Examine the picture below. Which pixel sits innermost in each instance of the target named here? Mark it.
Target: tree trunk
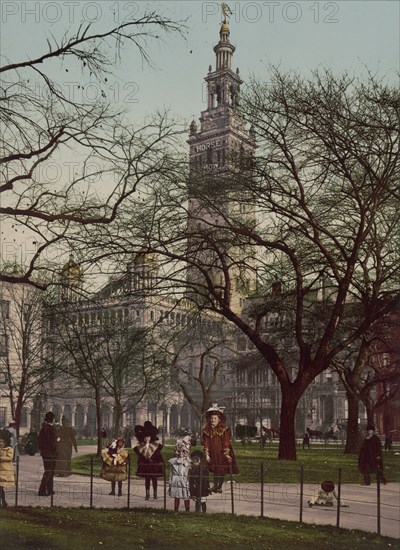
(353, 436)
(287, 434)
(99, 421)
(117, 417)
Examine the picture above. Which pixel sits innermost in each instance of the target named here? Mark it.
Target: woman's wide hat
(148, 429)
(214, 409)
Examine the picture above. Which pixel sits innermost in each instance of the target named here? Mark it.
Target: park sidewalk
(281, 501)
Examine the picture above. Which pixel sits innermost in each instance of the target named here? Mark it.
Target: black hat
(49, 417)
(370, 427)
(146, 430)
(198, 453)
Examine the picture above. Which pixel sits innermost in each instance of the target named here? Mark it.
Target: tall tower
(220, 157)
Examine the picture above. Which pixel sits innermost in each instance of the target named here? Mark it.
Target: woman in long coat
(217, 447)
(65, 442)
(7, 477)
(150, 463)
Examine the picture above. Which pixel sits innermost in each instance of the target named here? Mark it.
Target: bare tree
(21, 345)
(369, 373)
(68, 162)
(323, 226)
(106, 356)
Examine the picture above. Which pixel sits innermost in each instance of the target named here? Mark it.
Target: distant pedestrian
(388, 442)
(127, 436)
(306, 441)
(370, 457)
(115, 461)
(65, 442)
(14, 440)
(47, 442)
(7, 477)
(103, 434)
(150, 463)
(31, 446)
(179, 474)
(199, 482)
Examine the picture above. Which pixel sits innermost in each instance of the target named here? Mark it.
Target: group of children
(189, 477)
(189, 472)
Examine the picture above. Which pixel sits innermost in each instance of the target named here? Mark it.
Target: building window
(24, 418)
(3, 411)
(3, 345)
(5, 309)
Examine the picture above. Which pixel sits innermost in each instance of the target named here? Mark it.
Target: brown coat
(217, 444)
(7, 478)
(111, 471)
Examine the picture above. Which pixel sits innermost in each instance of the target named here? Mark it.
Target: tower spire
(224, 49)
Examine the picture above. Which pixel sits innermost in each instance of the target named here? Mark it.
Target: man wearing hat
(47, 442)
(370, 457)
(217, 447)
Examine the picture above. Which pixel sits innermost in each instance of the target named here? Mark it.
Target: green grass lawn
(84, 529)
(318, 463)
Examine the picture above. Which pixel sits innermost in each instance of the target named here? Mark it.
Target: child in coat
(150, 463)
(7, 478)
(179, 472)
(199, 482)
(115, 461)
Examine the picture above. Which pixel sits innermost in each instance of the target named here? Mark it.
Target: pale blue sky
(302, 35)
(341, 35)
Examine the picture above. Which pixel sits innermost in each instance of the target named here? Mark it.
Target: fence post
(232, 499)
(91, 482)
(165, 487)
(200, 488)
(128, 502)
(301, 492)
(339, 497)
(378, 501)
(262, 488)
(16, 482)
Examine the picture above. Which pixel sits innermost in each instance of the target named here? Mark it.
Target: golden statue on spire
(226, 11)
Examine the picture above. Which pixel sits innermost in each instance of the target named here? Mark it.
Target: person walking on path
(306, 441)
(179, 471)
(47, 442)
(7, 477)
(217, 447)
(150, 463)
(388, 442)
(199, 482)
(14, 440)
(114, 468)
(66, 440)
(370, 457)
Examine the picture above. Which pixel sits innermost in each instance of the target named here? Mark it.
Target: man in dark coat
(47, 442)
(370, 457)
